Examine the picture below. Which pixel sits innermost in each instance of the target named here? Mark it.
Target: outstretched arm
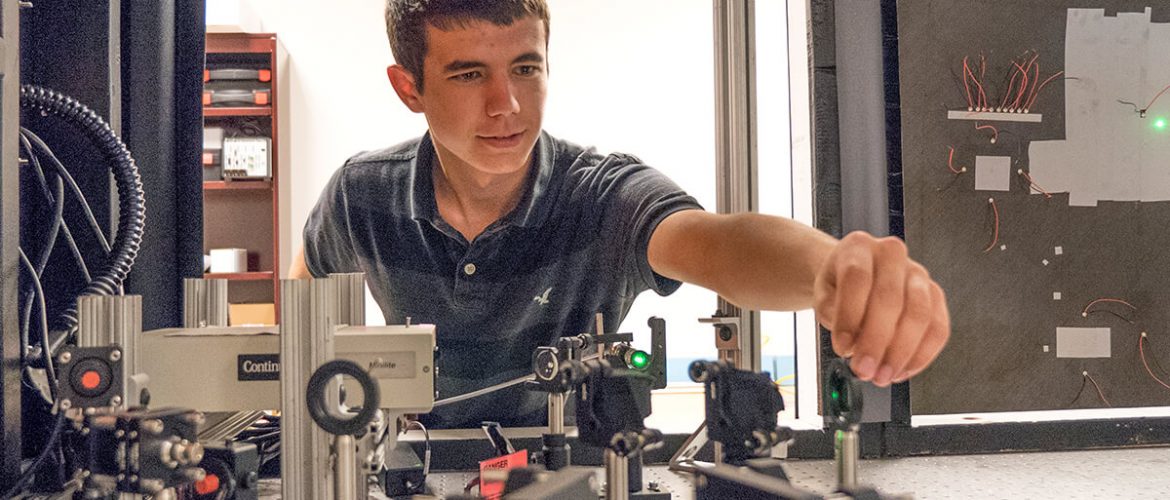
(884, 310)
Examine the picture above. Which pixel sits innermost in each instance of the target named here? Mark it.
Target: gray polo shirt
(574, 245)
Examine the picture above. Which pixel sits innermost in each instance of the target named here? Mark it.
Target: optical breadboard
(1036, 163)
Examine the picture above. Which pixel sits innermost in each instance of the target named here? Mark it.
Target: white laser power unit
(247, 157)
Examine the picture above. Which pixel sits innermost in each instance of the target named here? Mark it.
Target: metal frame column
(10, 438)
(736, 158)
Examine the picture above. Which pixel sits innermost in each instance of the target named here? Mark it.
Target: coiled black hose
(131, 199)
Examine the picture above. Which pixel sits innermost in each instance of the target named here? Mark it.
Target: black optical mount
(741, 410)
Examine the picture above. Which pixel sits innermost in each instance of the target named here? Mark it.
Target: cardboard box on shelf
(251, 314)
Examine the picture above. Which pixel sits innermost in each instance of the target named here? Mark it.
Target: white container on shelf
(229, 260)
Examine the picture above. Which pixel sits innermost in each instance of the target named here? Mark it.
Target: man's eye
(527, 70)
(466, 77)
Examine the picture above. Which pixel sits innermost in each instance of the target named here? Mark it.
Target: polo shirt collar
(533, 207)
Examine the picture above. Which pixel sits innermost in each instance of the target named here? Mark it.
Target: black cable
(40, 171)
(54, 437)
(1154, 358)
(43, 260)
(1084, 382)
(426, 435)
(131, 202)
(262, 437)
(64, 173)
(1130, 321)
(58, 202)
(40, 293)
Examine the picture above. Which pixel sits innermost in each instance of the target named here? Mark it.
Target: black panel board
(162, 67)
(1001, 301)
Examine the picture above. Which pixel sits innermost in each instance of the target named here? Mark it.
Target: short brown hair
(407, 21)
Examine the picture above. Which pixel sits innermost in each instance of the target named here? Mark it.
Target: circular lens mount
(315, 398)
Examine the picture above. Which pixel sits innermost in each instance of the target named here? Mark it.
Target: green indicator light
(1160, 124)
(836, 395)
(639, 360)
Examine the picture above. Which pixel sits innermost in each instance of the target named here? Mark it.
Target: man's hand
(883, 309)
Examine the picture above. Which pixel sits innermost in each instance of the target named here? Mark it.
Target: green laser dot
(639, 359)
(1160, 124)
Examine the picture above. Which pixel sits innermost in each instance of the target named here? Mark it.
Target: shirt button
(469, 269)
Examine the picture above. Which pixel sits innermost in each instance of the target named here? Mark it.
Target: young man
(507, 238)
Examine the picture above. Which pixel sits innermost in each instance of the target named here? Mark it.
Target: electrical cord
(131, 201)
(40, 294)
(54, 437)
(64, 174)
(427, 437)
(119, 256)
(46, 251)
(45, 187)
(58, 202)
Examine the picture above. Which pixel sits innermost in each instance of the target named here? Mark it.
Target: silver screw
(150, 485)
(176, 455)
(153, 426)
(426, 369)
(116, 401)
(195, 418)
(66, 404)
(133, 435)
(194, 453)
(115, 354)
(24, 4)
(195, 474)
(64, 357)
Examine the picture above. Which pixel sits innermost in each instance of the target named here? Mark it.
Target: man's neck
(470, 200)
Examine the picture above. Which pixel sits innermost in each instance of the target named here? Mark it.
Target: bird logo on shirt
(542, 299)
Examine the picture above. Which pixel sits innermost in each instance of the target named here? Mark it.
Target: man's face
(484, 92)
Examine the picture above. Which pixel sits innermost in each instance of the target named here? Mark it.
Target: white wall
(625, 76)
(630, 76)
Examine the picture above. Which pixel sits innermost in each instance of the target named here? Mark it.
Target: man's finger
(917, 314)
(934, 340)
(853, 273)
(882, 310)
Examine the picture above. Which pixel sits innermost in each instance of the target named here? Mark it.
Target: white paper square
(1059, 250)
(993, 173)
(1046, 348)
(1082, 342)
(1055, 295)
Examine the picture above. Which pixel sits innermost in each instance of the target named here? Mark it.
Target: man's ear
(403, 83)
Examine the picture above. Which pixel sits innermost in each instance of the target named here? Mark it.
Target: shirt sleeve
(328, 238)
(634, 199)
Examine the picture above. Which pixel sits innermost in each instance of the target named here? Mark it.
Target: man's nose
(502, 98)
